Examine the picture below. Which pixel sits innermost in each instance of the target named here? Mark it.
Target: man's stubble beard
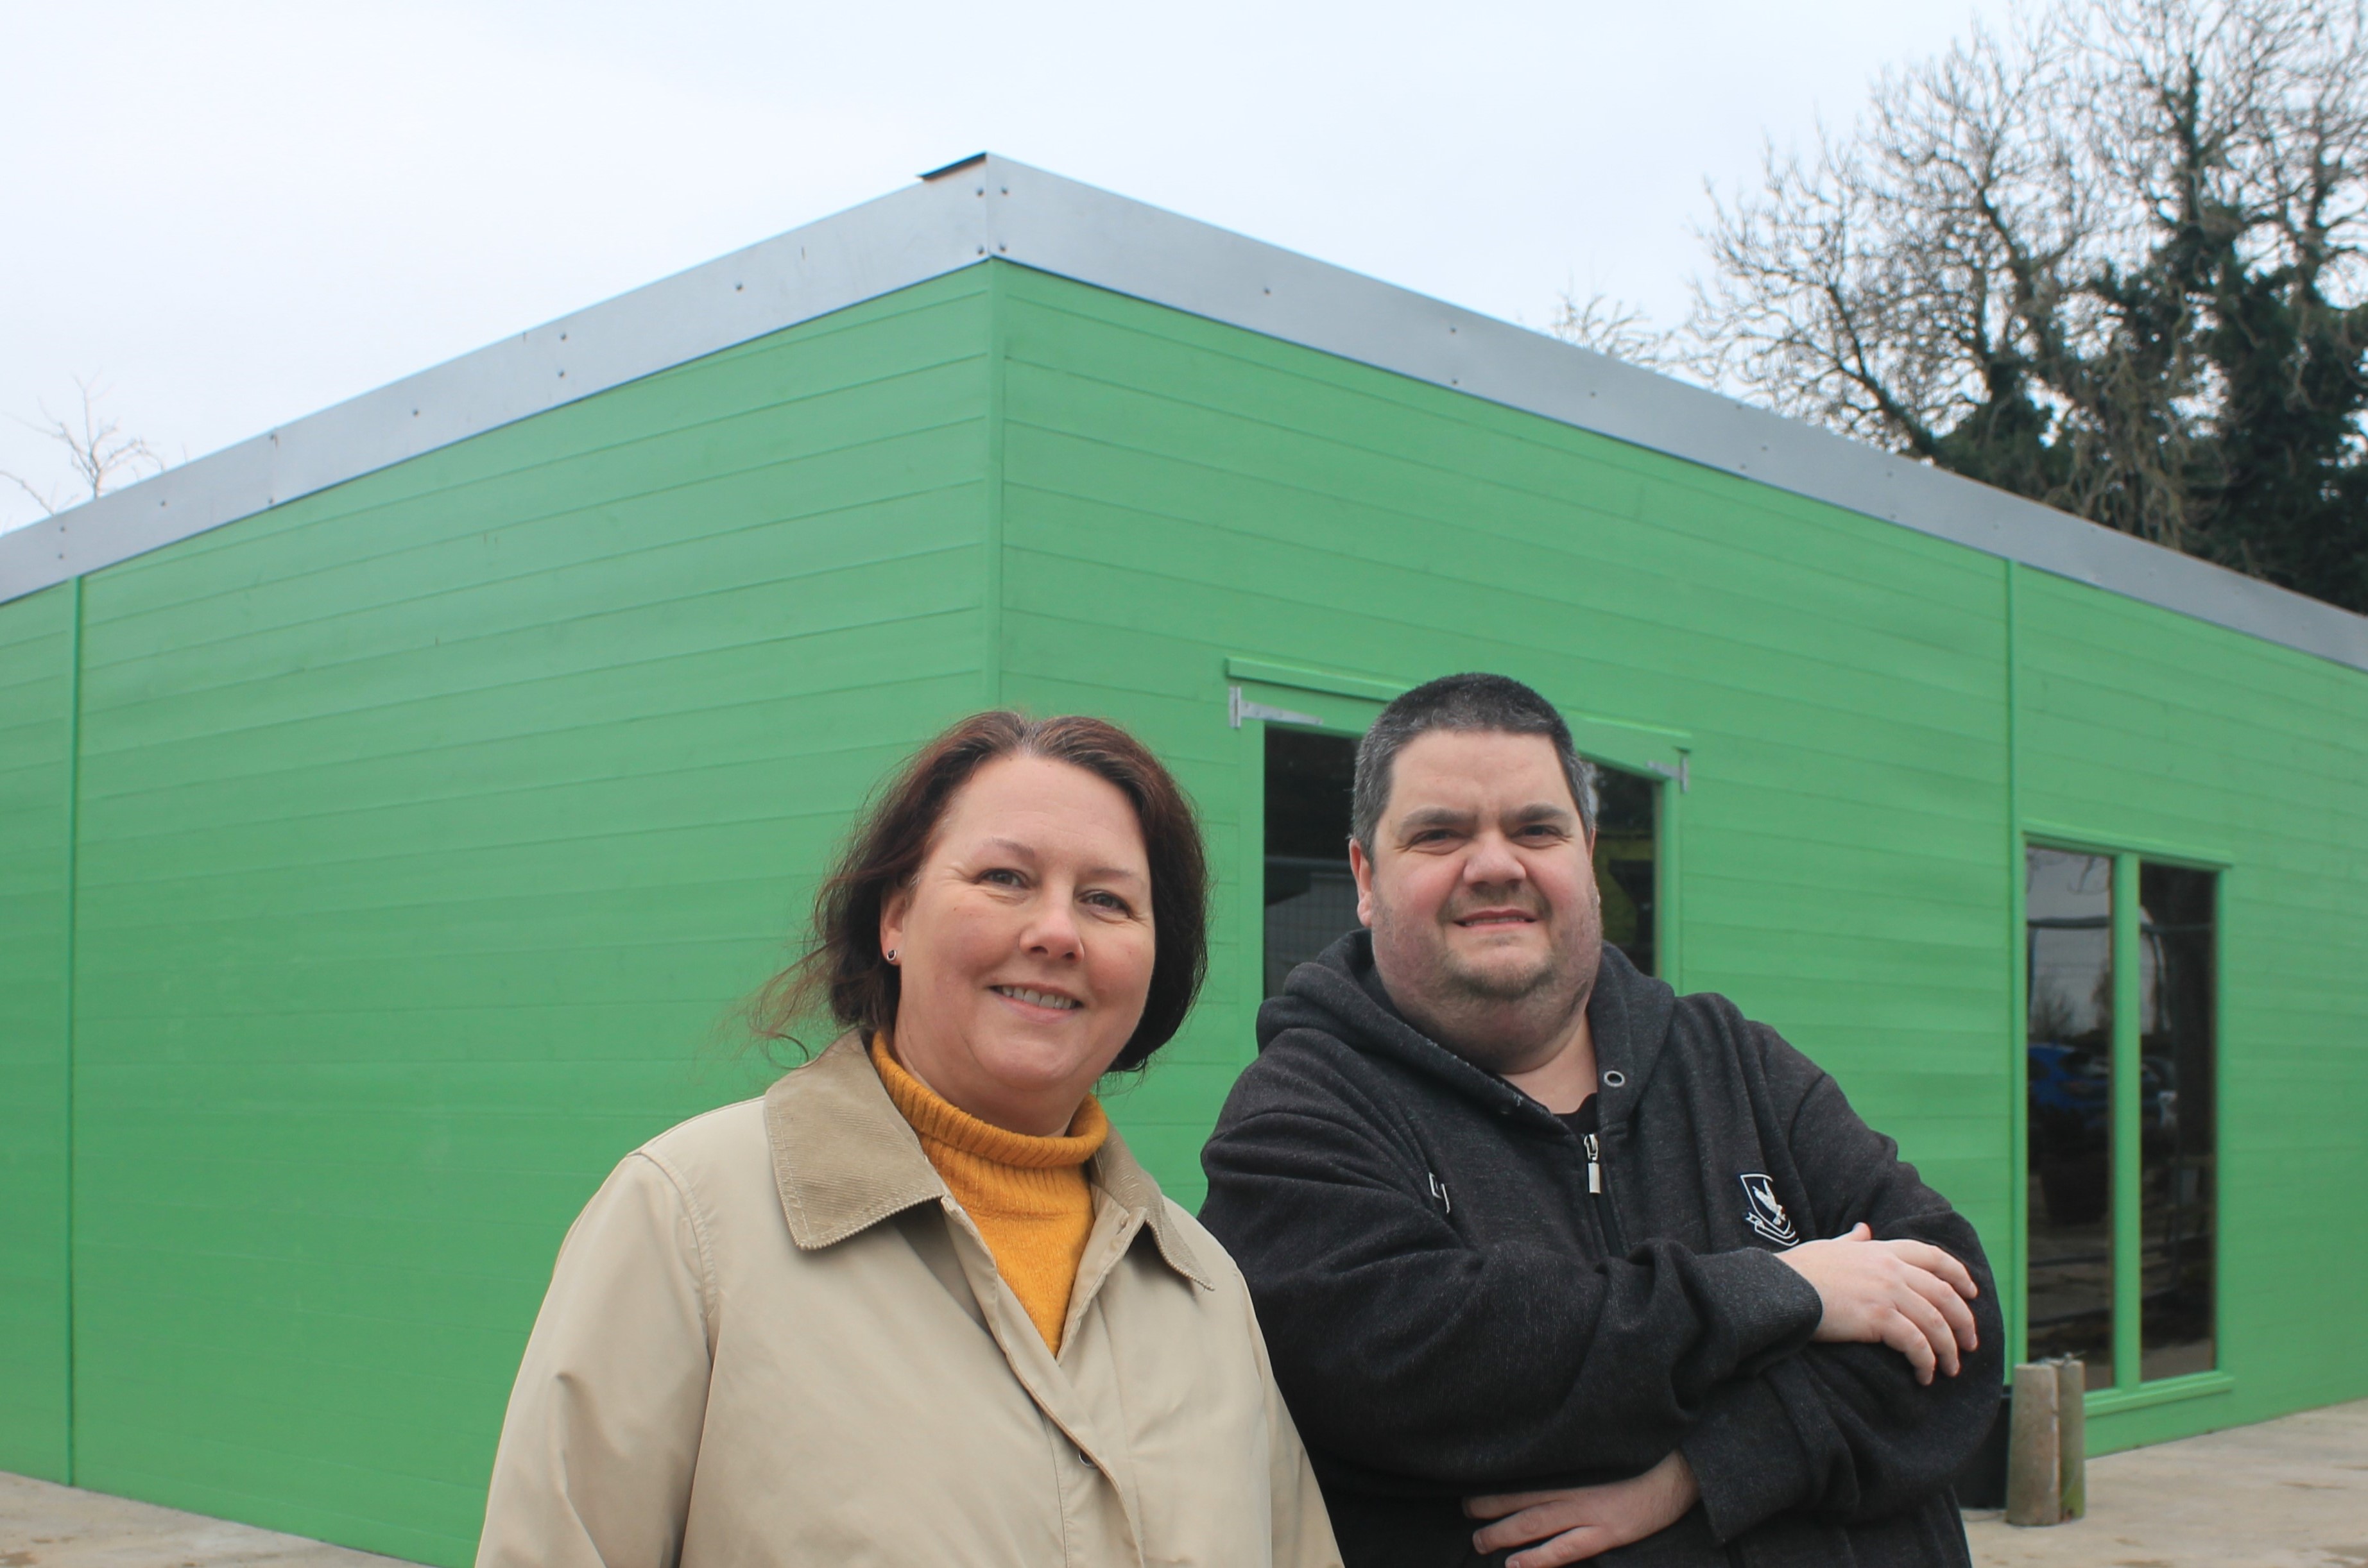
(1496, 1021)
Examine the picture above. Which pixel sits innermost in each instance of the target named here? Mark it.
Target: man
(1532, 1238)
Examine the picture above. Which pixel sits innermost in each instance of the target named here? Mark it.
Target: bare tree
(1615, 327)
(101, 456)
(2109, 257)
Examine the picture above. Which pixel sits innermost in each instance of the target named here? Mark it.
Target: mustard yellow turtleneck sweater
(1028, 1196)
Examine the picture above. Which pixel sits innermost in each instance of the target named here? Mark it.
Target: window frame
(2129, 1390)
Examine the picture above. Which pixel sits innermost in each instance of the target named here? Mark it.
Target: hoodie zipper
(1607, 1215)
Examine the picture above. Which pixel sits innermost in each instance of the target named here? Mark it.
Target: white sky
(236, 213)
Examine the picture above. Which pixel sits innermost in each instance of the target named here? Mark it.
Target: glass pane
(2069, 902)
(2177, 1120)
(1311, 899)
(1625, 847)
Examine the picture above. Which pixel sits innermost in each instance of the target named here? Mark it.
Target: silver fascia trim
(917, 233)
(1129, 248)
(996, 208)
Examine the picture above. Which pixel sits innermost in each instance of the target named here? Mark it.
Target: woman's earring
(892, 955)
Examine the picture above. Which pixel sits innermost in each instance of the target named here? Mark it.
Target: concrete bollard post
(2034, 1465)
(2072, 1438)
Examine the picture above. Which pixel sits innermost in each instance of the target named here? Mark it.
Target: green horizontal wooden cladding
(425, 833)
(36, 794)
(430, 827)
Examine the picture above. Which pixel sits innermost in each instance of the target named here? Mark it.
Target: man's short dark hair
(1464, 702)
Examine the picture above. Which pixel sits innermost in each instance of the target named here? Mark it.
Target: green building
(393, 808)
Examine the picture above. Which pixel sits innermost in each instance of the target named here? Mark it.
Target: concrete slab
(44, 1525)
(2287, 1494)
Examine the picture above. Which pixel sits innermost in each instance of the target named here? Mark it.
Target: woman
(918, 1304)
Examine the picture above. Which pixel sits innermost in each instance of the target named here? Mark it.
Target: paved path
(2287, 1494)
(47, 1526)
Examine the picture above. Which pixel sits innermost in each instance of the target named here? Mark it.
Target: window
(1627, 841)
(2070, 1058)
(1311, 897)
(2177, 1118)
(2121, 1117)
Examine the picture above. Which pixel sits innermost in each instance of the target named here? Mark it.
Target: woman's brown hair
(843, 972)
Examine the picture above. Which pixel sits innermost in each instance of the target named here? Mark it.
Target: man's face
(1481, 895)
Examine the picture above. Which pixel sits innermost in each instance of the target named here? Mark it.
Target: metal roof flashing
(986, 207)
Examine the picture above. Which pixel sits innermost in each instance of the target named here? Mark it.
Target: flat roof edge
(1084, 233)
(991, 207)
(893, 241)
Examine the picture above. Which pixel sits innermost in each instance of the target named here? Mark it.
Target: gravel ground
(2286, 1494)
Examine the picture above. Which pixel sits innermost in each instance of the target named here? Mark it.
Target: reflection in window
(1311, 899)
(2068, 1046)
(1625, 847)
(2175, 1119)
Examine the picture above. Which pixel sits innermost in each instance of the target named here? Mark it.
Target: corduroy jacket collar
(845, 1159)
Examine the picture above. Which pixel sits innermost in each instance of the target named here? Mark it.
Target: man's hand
(1908, 1295)
(1585, 1520)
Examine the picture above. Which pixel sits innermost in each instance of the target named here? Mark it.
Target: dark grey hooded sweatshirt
(1452, 1310)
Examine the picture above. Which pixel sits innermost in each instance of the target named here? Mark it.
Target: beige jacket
(772, 1337)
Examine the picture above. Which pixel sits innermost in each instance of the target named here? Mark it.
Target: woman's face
(1025, 941)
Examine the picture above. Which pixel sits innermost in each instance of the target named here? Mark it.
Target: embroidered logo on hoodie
(1763, 1213)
